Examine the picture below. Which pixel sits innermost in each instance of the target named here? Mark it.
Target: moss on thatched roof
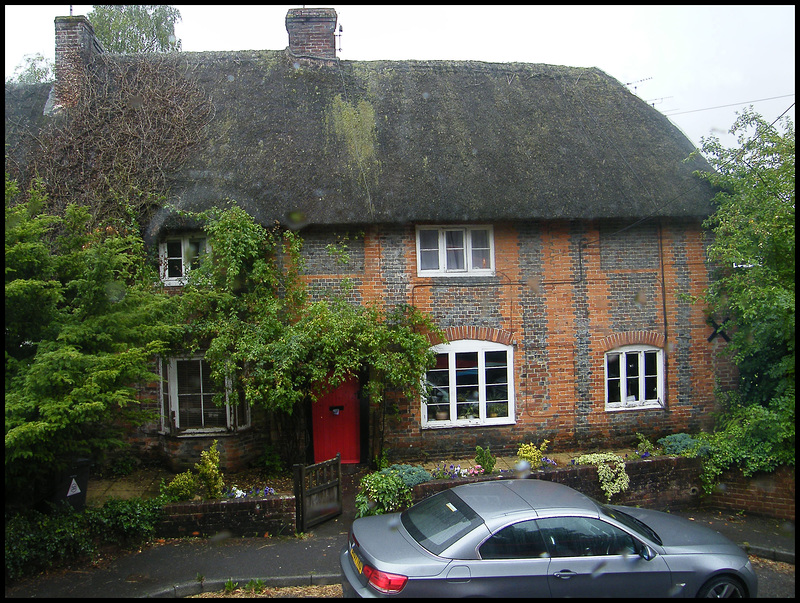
(307, 141)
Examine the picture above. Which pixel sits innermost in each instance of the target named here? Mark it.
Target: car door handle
(565, 574)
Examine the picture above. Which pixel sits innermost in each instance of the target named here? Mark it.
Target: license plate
(358, 563)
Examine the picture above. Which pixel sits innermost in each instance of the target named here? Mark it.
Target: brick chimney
(312, 32)
(76, 44)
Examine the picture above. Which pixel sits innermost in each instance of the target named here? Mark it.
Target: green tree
(34, 69)
(247, 306)
(754, 287)
(132, 28)
(82, 325)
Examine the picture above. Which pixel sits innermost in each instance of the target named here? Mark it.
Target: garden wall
(272, 515)
(655, 483)
(764, 493)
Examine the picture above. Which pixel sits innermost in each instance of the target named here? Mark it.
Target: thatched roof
(307, 141)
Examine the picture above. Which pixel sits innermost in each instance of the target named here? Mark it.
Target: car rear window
(439, 521)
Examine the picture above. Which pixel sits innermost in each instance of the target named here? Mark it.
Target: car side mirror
(647, 553)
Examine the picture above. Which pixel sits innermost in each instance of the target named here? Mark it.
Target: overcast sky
(698, 65)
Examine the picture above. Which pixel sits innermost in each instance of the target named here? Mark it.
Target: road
(775, 581)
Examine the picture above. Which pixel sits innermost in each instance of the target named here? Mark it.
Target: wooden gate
(318, 492)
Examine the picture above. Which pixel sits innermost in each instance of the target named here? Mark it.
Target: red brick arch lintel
(632, 337)
(474, 332)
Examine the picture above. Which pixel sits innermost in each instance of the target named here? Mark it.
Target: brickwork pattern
(654, 483)
(764, 493)
(312, 32)
(272, 515)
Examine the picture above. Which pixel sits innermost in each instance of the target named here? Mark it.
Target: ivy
(610, 471)
(248, 307)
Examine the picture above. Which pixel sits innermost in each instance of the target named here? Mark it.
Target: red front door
(335, 424)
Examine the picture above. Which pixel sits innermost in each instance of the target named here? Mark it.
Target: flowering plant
(476, 470)
(236, 492)
(444, 472)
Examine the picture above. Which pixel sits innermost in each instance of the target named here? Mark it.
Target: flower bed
(654, 481)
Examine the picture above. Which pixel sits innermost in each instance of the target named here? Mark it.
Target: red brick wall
(565, 293)
(272, 515)
(654, 483)
(238, 450)
(311, 31)
(75, 45)
(764, 493)
(659, 482)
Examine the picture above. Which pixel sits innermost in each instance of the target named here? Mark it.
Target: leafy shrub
(126, 521)
(610, 471)
(183, 486)
(644, 447)
(270, 461)
(208, 473)
(37, 541)
(381, 493)
(410, 474)
(532, 454)
(382, 460)
(485, 459)
(209, 479)
(683, 444)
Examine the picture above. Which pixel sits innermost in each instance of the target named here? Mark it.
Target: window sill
(440, 274)
(468, 423)
(202, 433)
(638, 406)
(173, 282)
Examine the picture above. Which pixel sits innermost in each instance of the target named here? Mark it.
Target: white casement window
(178, 255)
(455, 250)
(472, 384)
(634, 377)
(187, 399)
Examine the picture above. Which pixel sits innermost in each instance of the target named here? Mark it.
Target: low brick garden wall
(769, 494)
(272, 515)
(656, 482)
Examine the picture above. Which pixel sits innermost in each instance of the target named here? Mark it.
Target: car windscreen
(439, 521)
(634, 524)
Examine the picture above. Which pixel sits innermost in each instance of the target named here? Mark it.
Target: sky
(698, 65)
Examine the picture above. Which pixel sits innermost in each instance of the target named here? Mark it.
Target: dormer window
(178, 255)
(455, 251)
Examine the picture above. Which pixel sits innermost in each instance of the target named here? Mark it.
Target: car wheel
(722, 587)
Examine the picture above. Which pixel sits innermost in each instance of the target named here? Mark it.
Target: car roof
(505, 496)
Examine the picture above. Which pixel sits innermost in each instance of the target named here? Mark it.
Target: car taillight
(384, 581)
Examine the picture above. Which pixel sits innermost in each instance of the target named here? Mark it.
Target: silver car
(535, 538)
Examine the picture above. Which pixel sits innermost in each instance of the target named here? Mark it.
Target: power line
(731, 105)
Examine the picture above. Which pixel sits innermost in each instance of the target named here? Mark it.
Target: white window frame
(170, 405)
(164, 257)
(482, 405)
(633, 389)
(441, 250)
